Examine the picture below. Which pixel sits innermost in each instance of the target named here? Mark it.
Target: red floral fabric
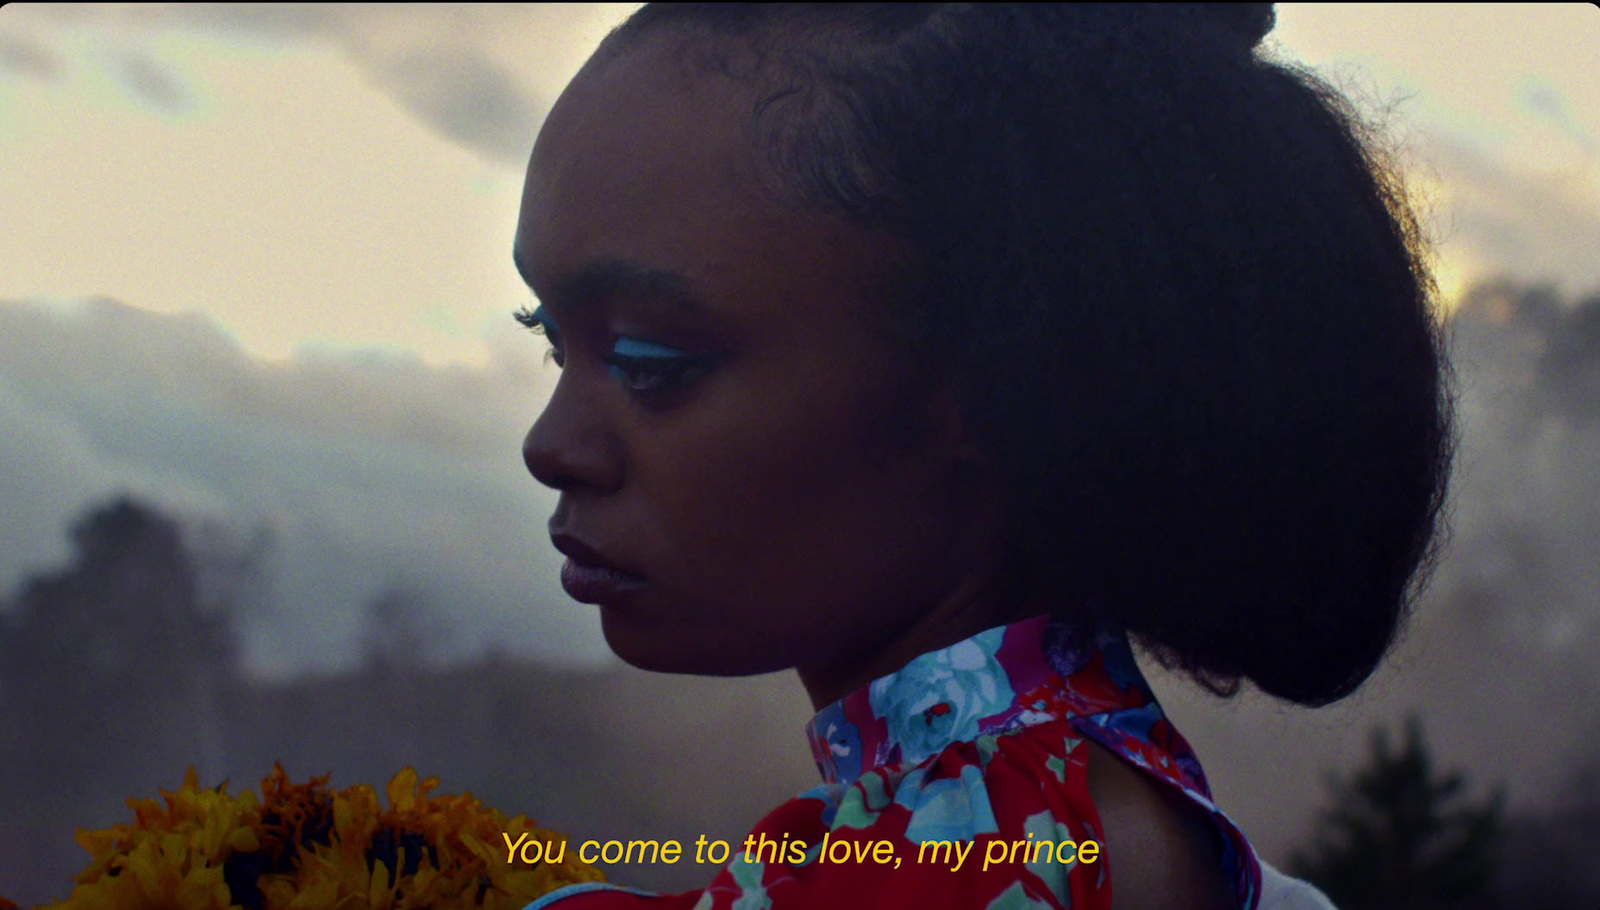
(960, 781)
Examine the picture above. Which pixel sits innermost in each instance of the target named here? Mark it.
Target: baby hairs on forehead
(1178, 286)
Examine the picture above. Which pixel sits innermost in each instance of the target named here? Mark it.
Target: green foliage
(1402, 835)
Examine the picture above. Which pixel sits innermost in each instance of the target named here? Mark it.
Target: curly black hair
(1182, 289)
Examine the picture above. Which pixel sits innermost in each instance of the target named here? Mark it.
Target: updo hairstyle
(1177, 285)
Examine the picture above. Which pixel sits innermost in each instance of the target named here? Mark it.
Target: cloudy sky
(254, 266)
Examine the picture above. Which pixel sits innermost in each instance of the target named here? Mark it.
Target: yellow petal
(378, 893)
(402, 790)
(244, 840)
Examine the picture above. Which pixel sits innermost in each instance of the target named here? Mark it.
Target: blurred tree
(399, 651)
(233, 568)
(1399, 835)
(1570, 367)
(114, 658)
(399, 631)
(1549, 854)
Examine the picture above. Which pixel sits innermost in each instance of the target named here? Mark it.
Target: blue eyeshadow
(634, 348)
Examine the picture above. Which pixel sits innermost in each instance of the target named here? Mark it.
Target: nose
(569, 447)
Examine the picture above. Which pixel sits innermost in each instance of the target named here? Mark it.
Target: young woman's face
(727, 498)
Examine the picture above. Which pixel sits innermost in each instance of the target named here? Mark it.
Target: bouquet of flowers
(305, 847)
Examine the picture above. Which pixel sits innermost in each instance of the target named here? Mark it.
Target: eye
(538, 322)
(648, 369)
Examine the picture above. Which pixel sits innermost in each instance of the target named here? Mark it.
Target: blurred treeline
(122, 668)
(1403, 832)
(116, 674)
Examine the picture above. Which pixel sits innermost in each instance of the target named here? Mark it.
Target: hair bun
(1250, 21)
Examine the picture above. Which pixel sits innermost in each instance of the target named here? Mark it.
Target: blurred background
(261, 496)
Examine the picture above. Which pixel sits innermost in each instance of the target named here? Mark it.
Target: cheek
(792, 511)
(759, 467)
(752, 499)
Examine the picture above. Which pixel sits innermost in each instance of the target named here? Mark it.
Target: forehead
(649, 159)
(641, 155)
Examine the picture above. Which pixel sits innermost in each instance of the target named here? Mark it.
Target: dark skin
(736, 477)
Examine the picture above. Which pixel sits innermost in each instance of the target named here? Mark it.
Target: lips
(588, 576)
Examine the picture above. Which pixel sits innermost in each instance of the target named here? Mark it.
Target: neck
(980, 602)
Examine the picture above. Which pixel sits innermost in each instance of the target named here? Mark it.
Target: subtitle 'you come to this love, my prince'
(759, 848)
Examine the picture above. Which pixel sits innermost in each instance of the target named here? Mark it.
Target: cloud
(430, 59)
(368, 472)
(1549, 103)
(464, 96)
(266, 20)
(154, 84)
(27, 57)
(1535, 226)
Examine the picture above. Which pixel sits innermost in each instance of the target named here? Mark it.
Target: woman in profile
(933, 351)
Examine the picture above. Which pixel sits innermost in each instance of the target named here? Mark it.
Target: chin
(661, 653)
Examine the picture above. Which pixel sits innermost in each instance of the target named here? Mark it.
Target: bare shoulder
(1160, 847)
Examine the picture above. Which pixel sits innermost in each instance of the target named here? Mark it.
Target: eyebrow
(611, 278)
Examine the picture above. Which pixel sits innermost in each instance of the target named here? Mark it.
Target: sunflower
(303, 846)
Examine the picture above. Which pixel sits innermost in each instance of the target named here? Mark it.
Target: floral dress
(959, 781)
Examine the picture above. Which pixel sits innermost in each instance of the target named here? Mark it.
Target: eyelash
(644, 376)
(534, 321)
